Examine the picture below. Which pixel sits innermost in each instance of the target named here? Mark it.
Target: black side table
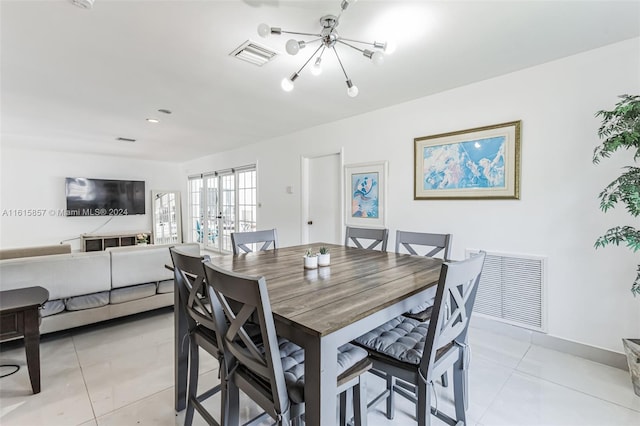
(19, 317)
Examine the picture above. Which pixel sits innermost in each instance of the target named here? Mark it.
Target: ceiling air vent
(252, 52)
(125, 139)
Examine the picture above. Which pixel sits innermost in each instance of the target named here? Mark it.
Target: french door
(221, 203)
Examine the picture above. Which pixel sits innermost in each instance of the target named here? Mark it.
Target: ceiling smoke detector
(85, 4)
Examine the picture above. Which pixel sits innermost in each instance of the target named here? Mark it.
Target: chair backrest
(193, 290)
(244, 299)
(457, 288)
(437, 242)
(239, 240)
(363, 236)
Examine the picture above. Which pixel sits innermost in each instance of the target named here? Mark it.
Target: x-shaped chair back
(360, 237)
(457, 288)
(243, 299)
(240, 240)
(194, 293)
(435, 244)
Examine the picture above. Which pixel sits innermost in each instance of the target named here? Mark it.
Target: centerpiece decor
(310, 259)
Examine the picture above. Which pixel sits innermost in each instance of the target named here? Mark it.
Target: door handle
(310, 222)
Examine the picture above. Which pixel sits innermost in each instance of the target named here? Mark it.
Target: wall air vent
(252, 52)
(125, 139)
(512, 289)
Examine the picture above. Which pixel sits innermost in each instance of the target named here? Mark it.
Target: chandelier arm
(297, 33)
(310, 57)
(340, 62)
(358, 41)
(350, 45)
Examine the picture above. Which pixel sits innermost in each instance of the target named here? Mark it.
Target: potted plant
(141, 239)
(620, 129)
(310, 259)
(324, 258)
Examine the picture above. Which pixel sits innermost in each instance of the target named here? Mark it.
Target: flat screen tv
(104, 197)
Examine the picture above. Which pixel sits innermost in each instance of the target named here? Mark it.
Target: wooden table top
(357, 284)
(22, 298)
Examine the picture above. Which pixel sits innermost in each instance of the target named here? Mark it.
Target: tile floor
(121, 373)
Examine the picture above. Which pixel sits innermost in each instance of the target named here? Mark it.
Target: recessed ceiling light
(164, 111)
(153, 120)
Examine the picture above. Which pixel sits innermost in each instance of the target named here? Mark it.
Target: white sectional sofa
(85, 288)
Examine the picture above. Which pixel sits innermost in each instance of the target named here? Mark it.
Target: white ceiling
(75, 80)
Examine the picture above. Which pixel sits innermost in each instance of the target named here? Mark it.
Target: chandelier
(328, 38)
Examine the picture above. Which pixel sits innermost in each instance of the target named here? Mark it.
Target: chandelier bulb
(352, 90)
(294, 46)
(377, 58)
(316, 69)
(264, 30)
(390, 47)
(286, 84)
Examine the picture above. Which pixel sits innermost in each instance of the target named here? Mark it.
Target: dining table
(322, 309)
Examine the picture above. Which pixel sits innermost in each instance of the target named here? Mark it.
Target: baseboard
(592, 353)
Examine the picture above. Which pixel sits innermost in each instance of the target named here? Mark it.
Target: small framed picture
(366, 193)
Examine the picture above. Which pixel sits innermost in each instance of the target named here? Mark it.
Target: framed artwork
(365, 190)
(481, 163)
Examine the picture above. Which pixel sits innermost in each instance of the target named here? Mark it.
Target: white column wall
(35, 180)
(557, 216)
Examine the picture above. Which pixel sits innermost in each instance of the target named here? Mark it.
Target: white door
(324, 199)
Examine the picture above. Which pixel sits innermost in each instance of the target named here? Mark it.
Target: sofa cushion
(126, 294)
(165, 286)
(87, 301)
(144, 264)
(63, 275)
(52, 307)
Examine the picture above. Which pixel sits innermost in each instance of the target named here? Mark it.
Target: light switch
(289, 189)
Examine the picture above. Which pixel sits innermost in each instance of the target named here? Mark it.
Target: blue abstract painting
(364, 195)
(476, 163)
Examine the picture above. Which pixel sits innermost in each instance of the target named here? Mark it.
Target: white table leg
(320, 388)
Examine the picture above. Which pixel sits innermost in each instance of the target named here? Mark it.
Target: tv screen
(104, 197)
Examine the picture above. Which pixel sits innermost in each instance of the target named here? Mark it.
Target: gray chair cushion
(52, 307)
(88, 301)
(422, 312)
(401, 338)
(292, 357)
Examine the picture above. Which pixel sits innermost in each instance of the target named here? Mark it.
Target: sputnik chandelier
(328, 38)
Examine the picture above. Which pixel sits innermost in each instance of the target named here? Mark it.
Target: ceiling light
(153, 120)
(328, 38)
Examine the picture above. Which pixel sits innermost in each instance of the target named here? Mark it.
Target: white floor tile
(63, 399)
(592, 378)
(527, 400)
(496, 348)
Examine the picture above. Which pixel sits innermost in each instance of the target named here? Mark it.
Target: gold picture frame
(479, 163)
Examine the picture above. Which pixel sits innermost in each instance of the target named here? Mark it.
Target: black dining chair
(415, 353)
(369, 237)
(194, 297)
(241, 241)
(268, 368)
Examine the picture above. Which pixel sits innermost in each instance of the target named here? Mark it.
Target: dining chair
(194, 298)
(239, 240)
(360, 237)
(270, 369)
(416, 353)
(426, 244)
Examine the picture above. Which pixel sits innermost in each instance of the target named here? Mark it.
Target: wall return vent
(512, 289)
(254, 53)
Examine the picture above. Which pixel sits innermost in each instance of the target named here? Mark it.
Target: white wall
(557, 216)
(35, 180)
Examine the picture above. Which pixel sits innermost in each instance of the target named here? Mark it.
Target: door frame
(305, 190)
